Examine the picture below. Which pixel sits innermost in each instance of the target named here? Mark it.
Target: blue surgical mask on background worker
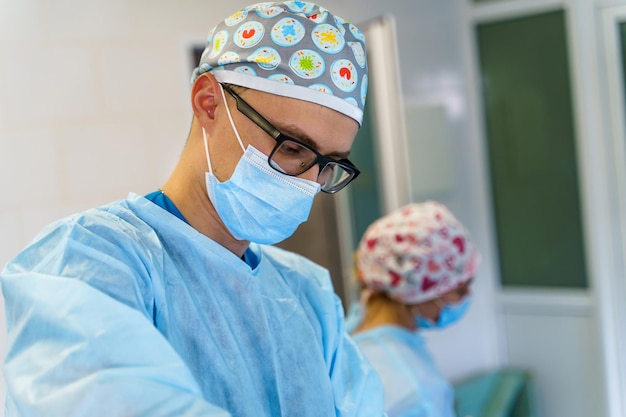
(448, 315)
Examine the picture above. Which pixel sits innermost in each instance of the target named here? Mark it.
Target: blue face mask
(257, 203)
(450, 313)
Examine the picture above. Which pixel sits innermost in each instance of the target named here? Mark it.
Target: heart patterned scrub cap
(294, 49)
(416, 253)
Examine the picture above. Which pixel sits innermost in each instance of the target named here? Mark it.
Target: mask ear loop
(230, 117)
(232, 124)
(206, 150)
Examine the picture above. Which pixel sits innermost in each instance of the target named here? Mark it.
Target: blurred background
(510, 112)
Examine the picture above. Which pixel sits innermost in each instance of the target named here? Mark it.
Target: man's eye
(292, 148)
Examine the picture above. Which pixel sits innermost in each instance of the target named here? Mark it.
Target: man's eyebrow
(296, 133)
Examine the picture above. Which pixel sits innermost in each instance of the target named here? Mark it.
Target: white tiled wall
(29, 167)
(22, 20)
(46, 86)
(89, 20)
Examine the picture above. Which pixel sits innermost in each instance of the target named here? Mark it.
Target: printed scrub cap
(416, 253)
(294, 49)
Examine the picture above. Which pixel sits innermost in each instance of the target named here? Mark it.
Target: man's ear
(205, 95)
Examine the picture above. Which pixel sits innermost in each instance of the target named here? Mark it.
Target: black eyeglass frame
(280, 138)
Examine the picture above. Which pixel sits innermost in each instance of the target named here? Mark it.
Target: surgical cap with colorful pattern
(295, 49)
(416, 253)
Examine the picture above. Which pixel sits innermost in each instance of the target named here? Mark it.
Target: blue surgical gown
(125, 310)
(414, 387)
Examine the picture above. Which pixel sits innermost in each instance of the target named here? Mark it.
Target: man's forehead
(308, 122)
(297, 133)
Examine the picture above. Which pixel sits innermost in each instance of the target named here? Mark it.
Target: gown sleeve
(81, 340)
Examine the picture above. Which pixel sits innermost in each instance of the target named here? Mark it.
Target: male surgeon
(175, 303)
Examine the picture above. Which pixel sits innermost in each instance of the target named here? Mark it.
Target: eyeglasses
(293, 157)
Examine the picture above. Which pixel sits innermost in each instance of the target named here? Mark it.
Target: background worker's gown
(414, 387)
(126, 310)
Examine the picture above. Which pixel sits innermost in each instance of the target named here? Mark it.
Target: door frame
(612, 308)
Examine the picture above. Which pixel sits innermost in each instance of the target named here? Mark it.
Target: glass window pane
(532, 151)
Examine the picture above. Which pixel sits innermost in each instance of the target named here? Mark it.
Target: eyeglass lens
(292, 158)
